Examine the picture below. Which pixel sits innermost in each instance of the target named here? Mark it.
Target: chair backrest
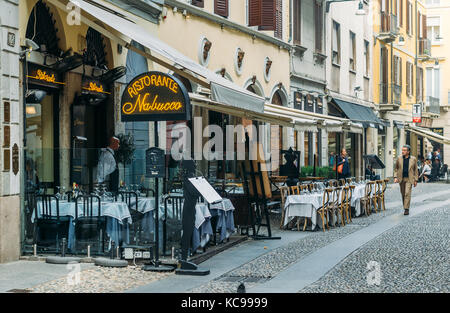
(326, 197)
(350, 193)
(88, 205)
(368, 189)
(130, 198)
(50, 206)
(295, 190)
(284, 192)
(344, 195)
(176, 204)
(385, 182)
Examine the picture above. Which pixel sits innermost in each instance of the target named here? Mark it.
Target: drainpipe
(416, 45)
(392, 58)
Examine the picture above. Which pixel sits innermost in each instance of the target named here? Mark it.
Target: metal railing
(432, 105)
(385, 93)
(424, 47)
(389, 23)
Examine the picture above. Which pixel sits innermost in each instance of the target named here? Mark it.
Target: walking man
(406, 174)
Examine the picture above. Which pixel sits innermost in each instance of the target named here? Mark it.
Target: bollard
(35, 250)
(173, 253)
(112, 249)
(63, 247)
(88, 251)
(117, 253)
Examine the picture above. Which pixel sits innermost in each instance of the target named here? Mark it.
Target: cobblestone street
(410, 252)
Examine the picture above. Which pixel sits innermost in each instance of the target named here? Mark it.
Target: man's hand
(395, 180)
(415, 183)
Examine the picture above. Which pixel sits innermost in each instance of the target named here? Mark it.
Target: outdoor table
(304, 205)
(117, 215)
(357, 194)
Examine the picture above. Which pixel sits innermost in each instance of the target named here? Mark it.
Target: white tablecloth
(116, 210)
(303, 206)
(357, 194)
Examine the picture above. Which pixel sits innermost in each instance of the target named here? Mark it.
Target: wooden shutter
(279, 19)
(395, 69)
(401, 71)
(424, 26)
(318, 15)
(385, 65)
(198, 3)
(221, 7)
(401, 13)
(297, 21)
(419, 22)
(268, 11)
(408, 85)
(254, 12)
(412, 78)
(407, 17)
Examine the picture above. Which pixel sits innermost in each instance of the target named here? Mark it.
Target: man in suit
(406, 174)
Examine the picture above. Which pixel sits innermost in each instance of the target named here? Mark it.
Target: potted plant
(125, 153)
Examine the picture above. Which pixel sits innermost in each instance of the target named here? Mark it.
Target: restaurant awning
(222, 90)
(302, 122)
(428, 134)
(322, 121)
(358, 113)
(205, 102)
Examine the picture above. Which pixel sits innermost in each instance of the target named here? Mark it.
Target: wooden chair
(341, 208)
(333, 204)
(348, 210)
(383, 191)
(323, 210)
(366, 199)
(376, 189)
(342, 182)
(295, 190)
(284, 192)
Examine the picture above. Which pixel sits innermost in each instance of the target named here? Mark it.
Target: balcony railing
(390, 96)
(424, 47)
(388, 24)
(432, 105)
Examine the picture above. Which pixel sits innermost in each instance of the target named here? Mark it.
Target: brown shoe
(406, 212)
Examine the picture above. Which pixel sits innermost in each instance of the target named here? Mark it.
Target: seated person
(426, 171)
(370, 173)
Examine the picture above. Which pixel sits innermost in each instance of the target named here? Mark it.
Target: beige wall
(185, 35)
(9, 228)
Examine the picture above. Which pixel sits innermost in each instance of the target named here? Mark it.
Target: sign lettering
(155, 96)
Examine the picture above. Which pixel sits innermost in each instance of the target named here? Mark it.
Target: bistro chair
(50, 227)
(341, 209)
(376, 189)
(333, 205)
(323, 210)
(382, 193)
(284, 192)
(131, 199)
(348, 209)
(342, 182)
(90, 225)
(295, 190)
(366, 199)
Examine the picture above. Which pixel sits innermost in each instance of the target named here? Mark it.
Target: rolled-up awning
(359, 113)
(222, 90)
(428, 134)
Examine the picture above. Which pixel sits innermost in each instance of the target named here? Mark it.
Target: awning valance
(222, 90)
(428, 134)
(205, 102)
(358, 113)
(322, 121)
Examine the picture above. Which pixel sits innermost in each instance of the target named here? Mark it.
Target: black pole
(156, 203)
(336, 162)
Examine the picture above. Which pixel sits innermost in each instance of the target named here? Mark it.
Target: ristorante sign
(155, 96)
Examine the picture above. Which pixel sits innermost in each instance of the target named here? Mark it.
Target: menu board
(205, 189)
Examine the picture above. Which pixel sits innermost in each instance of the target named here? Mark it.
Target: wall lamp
(360, 10)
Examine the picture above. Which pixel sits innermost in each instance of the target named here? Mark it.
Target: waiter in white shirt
(107, 165)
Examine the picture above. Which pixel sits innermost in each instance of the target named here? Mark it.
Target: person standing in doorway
(343, 159)
(107, 166)
(406, 174)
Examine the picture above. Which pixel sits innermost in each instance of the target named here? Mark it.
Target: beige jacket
(413, 174)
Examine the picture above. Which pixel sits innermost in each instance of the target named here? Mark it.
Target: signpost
(417, 113)
(155, 96)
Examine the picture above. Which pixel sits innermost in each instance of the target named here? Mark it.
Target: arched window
(95, 54)
(41, 29)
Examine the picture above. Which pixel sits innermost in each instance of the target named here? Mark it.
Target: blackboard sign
(155, 96)
(155, 162)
